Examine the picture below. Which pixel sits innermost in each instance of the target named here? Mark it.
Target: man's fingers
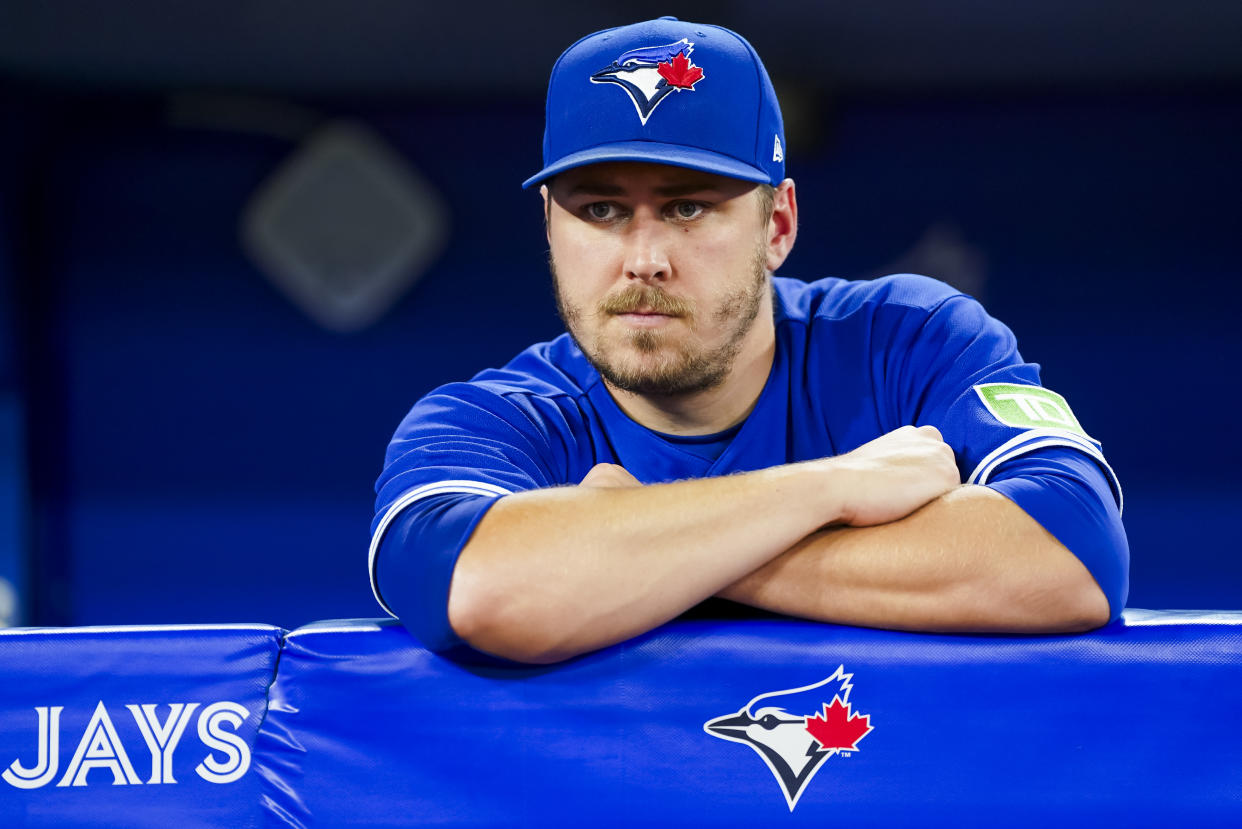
(895, 474)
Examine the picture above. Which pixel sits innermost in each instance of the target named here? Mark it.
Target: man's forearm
(970, 560)
(556, 572)
(552, 573)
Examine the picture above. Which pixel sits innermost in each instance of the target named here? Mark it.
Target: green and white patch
(1029, 407)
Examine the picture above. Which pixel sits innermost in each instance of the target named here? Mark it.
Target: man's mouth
(644, 312)
(645, 317)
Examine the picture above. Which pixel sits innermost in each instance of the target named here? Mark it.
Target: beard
(668, 364)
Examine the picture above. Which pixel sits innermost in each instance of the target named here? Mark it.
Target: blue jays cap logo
(652, 73)
(792, 743)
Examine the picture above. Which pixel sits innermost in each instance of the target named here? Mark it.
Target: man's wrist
(820, 487)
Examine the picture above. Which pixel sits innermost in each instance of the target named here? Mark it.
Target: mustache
(647, 298)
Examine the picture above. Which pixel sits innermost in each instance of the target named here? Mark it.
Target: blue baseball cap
(666, 91)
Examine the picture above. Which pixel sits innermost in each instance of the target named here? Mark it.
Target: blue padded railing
(745, 723)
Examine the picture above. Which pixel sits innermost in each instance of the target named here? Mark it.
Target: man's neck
(715, 409)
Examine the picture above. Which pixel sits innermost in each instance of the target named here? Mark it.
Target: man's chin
(660, 379)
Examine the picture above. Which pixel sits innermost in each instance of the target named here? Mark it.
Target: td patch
(1029, 407)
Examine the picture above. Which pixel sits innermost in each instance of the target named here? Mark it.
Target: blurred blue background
(182, 441)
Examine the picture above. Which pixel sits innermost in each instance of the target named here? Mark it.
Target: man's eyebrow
(685, 188)
(595, 188)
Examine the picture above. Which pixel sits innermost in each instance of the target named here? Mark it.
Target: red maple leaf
(837, 728)
(680, 73)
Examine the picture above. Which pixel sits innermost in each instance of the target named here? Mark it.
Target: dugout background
(175, 431)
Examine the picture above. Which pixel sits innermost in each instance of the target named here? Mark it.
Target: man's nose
(646, 254)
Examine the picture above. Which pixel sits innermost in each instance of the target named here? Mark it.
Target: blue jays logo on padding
(795, 731)
(652, 73)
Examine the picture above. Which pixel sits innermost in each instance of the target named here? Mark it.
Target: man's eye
(600, 210)
(687, 210)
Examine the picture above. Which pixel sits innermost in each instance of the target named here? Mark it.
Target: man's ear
(783, 226)
(547, 211)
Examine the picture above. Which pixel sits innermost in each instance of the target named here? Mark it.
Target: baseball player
(873, 453)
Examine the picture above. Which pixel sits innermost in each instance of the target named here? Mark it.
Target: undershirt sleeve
(1069, 495)
(417, 555)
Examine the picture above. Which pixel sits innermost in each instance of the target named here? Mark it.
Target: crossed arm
(884, 536)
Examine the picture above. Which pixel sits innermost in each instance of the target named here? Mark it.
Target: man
(872, 453)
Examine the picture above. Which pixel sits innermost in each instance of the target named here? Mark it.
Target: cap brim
(672, 154)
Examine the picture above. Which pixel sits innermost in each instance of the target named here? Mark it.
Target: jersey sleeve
(455, 454)
(960, 371)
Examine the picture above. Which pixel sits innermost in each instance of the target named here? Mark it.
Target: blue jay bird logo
(794, 745)
(652, 73)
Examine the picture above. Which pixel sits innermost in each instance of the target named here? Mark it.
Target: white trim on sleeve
(1033, 439)
(414, 495)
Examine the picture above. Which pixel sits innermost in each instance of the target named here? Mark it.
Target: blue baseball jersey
(853, 361)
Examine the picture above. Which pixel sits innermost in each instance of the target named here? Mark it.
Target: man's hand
(892, 476)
